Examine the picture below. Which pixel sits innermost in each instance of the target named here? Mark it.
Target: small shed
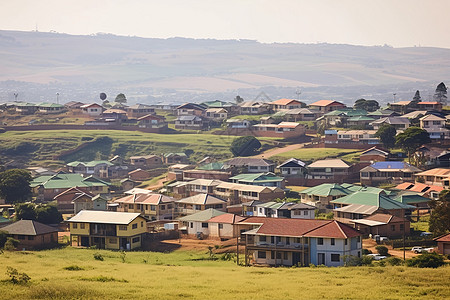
(32, 234)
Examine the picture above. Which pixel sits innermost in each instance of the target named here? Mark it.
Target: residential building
(107, 230)
(339, 117)
(152, 206)
(336, 170)
(236, 193)
(50, 108)
(199, 202)
(431, 156)
(146, 161)
(65, 200)
(360, 121)
(428, 191)
(436, 176)
(383, 225)
(435, 126)
(320, 196)
(88, 168)
(74, 105)
(224, 226)
(47, 187)
(382, 113)
(85, 203)
(397, 122)
(443, 244)
(430, 106)
(139, 110)
(355, 137)
(403, 107)
(92, 109)
(139, 175)
(273, 209)
(374, 154)
(262, 179)
(298, 114)
(152, 121)
(238, 124)
(251, 165)
(285, 104)
(282, 130)
(190, 122)
(190, 109)
(293, 170)
(387, 171)
(299, 242)
(197, 225)
(114, 114)
(25, 108)
(325, 106)
(175, 158)
(253, 108)
(32, 235)
(216, 114)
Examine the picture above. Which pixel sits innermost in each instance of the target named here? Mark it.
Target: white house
(92, 109)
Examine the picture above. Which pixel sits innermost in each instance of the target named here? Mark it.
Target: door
(320, 258)
(85, 241)
(295, 258)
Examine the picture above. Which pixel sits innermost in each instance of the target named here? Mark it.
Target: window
(285, 256)
(335, 257)
(163, 207)
(262, 238)
(113, 241)
(261, 254)
(142, 224)
(305, 213)
(21, 237)
(297, 240)
(82, 226)
(152, 207)
(392, 227)
(30, 237)
(191, 224)
(272, 240)
(278, 255)
(74, 225)
(320, 241)
(123, 227)
(135, 240)
(220, 226)
(333, 242)
(131, 206)
(358, 239)
(134, 226)
(402, 227)
(204, 225)
(346, 242)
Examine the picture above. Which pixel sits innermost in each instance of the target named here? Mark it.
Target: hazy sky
(398, 23)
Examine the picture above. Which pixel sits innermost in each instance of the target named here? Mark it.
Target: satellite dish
(102, 96)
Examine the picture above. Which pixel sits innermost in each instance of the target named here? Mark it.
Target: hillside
(155, 68)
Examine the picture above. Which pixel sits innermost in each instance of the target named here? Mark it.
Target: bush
(245, 146)
(11, 244)
(366, 251)
(98, 256)
(426, 260)
(382, 250)
(366, 260)
(394, 261)
(3, 238)
(16, 277)
(352, 261)
(73, 268)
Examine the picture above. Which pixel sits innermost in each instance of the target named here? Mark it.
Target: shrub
(123, 255)
(426, 260)
(3, 238)
(352, 261)
(366, 251)
(16, 277)
(366, 260)
(394, 261)
(73, 268)
(382, 250)
(11, 244)
(98, 256)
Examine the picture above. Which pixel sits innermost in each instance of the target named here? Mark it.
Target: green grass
(184, 275)
(250, 117)
(311, 154)
(38, 146)
(422, 225)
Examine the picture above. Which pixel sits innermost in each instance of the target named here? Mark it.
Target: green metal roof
(347, 112)
(360, 118)
(327, 189)
(271, 204)
(90, 163)
(372, 199)
(257, 177)
(212, 166)
(61, 181)
(412, 198)
(202, 216)
(172, 154)
(45, 104)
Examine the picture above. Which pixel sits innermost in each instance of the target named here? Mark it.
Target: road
(277, 151)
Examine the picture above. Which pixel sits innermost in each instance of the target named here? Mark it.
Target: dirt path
(159, 184)
(371, 244)
(276, 151)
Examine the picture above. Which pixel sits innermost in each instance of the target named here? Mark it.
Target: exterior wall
(82, 205)
(151, 211)
(303, 214)
(139, 175)
(36, 241)
(444, 248)
(353, 247)
(391, 230)
(370, 158)
(79, 230)
(193, 228)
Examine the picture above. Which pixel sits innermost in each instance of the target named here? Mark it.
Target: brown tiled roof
(226, 218)
(284, 101)
(334, 229)
(154, 199)
(436, 172)
(325, 103)
(443, 238)
(28, 227)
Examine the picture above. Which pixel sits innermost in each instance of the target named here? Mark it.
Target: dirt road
(371, 244)
(276, 151)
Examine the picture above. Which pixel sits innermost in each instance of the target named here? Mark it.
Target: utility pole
(394, 96)
(15, 96)
(57, 98)
(404, 223)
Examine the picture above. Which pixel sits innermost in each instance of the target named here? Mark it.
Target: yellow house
(107, 229)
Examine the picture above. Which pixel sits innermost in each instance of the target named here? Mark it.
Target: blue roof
(331, 131)
(390, 165)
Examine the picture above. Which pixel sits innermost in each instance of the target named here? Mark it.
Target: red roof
(302, 227)
(429, 103)
(385, 218)
(145, 199)
(74, 190)
(226, 218)
(285, 101)
(326, 103)
(443, 238)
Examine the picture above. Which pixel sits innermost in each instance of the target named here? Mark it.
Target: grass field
(42, 146)
(184, 275)
(311, 154)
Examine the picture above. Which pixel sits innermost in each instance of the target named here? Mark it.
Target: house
(285, 104)
(85, 203)
(190, 122)
(50, 108)
(190, 109)
(321, 195)
(383, 225)
(230, 107)
(88, 168)
(382, 113)
(138, 175)
(152, 206)
(107, 229)
(92, 109)
(74, 105)
(428, 191)
(40, 171)
(139, 110)
(193, 187)
(296, 211)
(364, 203)
(403, 107)
(25, 108)
(32, 235)
(414, 114)
(146, 161)
(251, 165)
(253, 108)
(197, 223)
(374, 154)
(114, 114)
(431, 156)
(443, 244)
(199, 202)
(436, 176)
(65, 200)
(236, 193)
(430, 106)
(435, 126)
(127, 184)
(175, 158)
(224, 226)
(283, 130)
(356, 137)
(152, 121)
(397, 122)
(205, 174)
(339, 117)
(335, 170)
(273, 209)
(298, 114)
(298, 242)
(216, 114)
(387, 171)
(325, 106)
(293, 170)
(47, 187)
(238, 123)
(360, 121)
(262, 179)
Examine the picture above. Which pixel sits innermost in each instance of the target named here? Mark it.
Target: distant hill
(211, 66)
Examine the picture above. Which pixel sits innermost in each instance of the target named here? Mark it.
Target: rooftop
(104, 217)
(28, 227)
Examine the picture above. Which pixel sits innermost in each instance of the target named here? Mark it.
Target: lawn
(311, 154)
(186, 275)
(43, 145)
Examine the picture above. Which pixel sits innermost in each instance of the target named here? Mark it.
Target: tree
(120, 98)
(238, 99)
(25, 211)
(440, 94)
(426, 260)
(15, 185)
(411, 139)
(386, 133)
(48, 214)
(245, 146)
(382, 250)
(368, 105)
(440, 217)
(417, 97)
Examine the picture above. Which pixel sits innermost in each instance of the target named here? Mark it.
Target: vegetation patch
(103, 279)
(73, 268)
